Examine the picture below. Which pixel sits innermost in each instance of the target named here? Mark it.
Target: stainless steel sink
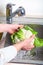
(19, 64)
(23, 56)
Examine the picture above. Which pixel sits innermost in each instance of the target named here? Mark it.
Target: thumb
(29, 40)
(32, 37)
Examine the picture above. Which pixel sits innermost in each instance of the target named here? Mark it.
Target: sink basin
(25, 56)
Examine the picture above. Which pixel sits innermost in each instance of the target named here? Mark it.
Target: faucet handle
(21, 11)
(10, 5)
(13, 4)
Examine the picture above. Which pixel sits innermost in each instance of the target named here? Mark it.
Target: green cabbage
(25, 33)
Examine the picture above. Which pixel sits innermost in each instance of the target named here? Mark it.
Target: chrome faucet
(20, 12)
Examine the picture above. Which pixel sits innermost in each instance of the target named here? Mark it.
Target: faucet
(20, 12)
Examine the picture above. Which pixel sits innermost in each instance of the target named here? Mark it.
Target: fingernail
(33, 36)
(16, 30)
(18, 27)
(22, 25)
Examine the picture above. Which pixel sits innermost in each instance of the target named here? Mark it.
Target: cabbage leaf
(21, 35)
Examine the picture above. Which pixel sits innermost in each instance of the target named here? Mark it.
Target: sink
(23, 55)
(19, 64)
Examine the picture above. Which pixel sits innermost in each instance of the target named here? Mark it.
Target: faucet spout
(20, 12)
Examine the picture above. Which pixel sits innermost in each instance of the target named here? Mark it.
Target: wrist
(3, 27)
(18, 46)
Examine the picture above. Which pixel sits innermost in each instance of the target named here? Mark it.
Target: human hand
(14, 28)
(11, 28)
(26, 44)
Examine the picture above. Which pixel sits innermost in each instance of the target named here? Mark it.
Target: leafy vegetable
(25, 33)
(20, 34)
(29, 28)
(38, 42)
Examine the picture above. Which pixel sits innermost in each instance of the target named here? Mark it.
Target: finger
(21, 26)
(31, 46)
(11, 31)
(16, 26)
(28, 47)
(31, 38)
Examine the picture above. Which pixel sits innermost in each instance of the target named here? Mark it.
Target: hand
(11, 28)
(26, 44)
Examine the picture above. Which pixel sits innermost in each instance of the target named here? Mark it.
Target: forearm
(19, 45)
(3, 28)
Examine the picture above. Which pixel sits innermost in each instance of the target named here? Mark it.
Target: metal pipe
(20, 12)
